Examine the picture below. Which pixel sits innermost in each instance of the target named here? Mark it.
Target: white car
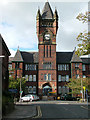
(29, 97)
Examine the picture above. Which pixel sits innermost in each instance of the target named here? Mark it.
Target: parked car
(29, 97)
(68, 97)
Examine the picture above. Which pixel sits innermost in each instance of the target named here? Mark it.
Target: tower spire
(47, 12)
(18, 47)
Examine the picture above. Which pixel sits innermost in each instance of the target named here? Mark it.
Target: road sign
(84, 88)
(21, 91)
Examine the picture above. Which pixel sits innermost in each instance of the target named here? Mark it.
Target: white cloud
(19, 28)
(12, 52)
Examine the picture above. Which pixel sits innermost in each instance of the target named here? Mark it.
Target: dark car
(68, 97)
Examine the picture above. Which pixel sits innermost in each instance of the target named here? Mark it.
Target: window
(84, 76)
(49, 77)
(30, 89)
(47, 65)
(34, 89)
(63, 67)
(59, 90)
(67, 78)
(10, 66)
(25, 66)
(30, 77)
(50, 51)
(63, 90)
(47, 51)
(34, 77)
(63, 78)
(59, 77)
(17, 65)
(26, 77)
(89, 67)
(77, 65)
(83, 67)
(34, 67)
(67, 66)
(28, 67)
(44, 50)
(45, 77)
(26, 89)
(77, 76)
(67, 89)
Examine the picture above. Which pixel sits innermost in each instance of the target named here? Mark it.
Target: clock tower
(47, 26)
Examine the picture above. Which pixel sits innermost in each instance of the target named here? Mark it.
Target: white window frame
(63, 78)
(26, 77)
(34, 78)
(45, 76)
(30, 77)
(67, 78)
(49, 77)
(83, 67)
(59, 78)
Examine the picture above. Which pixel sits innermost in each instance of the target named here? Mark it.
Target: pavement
(22, 112)
(27, 110)
(53, 102)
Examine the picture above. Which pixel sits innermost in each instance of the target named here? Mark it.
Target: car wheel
(30, 100)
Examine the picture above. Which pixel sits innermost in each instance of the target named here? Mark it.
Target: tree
(15, 83)
(83, 37)
(76, 85)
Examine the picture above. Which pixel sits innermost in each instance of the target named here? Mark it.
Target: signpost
(84, 92)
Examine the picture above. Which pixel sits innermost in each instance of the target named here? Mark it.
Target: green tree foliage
(15, 83)
(84, 37)
(76, 85)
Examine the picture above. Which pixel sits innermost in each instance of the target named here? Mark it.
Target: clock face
(47, 36)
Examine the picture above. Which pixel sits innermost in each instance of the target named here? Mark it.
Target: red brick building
(47, 70)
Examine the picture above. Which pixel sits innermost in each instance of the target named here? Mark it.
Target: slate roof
(64, 57)
(10, 59)
(47, 11)
(86, 60)
(75, 58)
(18, 57)
(61, 57)
(30, 57)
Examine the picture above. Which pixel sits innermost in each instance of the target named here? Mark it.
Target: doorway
(46, 89)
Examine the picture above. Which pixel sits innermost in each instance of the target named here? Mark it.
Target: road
(59, 109)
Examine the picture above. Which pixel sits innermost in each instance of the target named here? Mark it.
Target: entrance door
(46, 90)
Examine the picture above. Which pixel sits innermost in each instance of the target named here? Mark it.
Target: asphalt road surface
(63, 110)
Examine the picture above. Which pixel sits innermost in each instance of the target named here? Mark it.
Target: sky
(18, 23)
